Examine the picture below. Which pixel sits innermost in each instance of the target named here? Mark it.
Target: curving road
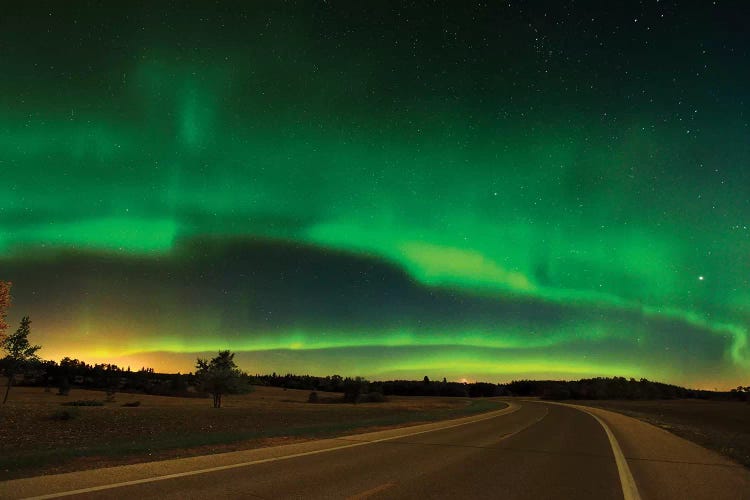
(529, 450)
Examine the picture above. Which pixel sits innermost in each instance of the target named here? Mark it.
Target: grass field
(723, 426)
(33, 442)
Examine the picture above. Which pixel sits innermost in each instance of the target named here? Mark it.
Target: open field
(723, 426)
(32, 442)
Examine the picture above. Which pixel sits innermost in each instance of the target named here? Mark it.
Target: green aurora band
(481, 176)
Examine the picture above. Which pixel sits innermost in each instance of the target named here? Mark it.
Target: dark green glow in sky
(486, 192)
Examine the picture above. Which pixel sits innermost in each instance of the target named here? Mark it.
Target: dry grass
(723, 426)
(32, 442)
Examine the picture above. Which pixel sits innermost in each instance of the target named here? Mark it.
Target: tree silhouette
(20, 351)
(219, 376)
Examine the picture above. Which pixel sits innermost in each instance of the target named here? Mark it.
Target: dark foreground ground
(528, 450)
(723, 426)
(35, 439)
(33, 442)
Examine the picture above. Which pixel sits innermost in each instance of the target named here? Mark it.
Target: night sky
(388, 189)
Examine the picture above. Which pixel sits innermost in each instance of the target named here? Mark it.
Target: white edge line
(629, 488)
(512, 408)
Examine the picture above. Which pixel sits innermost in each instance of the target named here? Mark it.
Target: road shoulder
(667, 466)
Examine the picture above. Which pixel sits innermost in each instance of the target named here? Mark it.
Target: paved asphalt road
(531, 450)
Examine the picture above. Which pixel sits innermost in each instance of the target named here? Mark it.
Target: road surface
(530, 450)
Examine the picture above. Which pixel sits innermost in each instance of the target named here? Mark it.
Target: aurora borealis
(479, 191)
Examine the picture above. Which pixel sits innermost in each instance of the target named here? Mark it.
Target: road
(530, 450)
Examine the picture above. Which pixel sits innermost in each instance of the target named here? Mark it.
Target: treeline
(444, 388)
(73, 372)
(108, 377)
(424, 387)
(592, 388)
(608, 388)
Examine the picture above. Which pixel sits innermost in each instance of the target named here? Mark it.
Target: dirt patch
(723, 426)
(33, 441)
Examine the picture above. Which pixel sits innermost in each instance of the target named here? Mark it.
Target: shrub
(376, 397)
(372, 397)
(63, 415)
(354, 388)
(63, 388)
(83, 402)
(110, 394)
(132, 404)
(313, 397)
